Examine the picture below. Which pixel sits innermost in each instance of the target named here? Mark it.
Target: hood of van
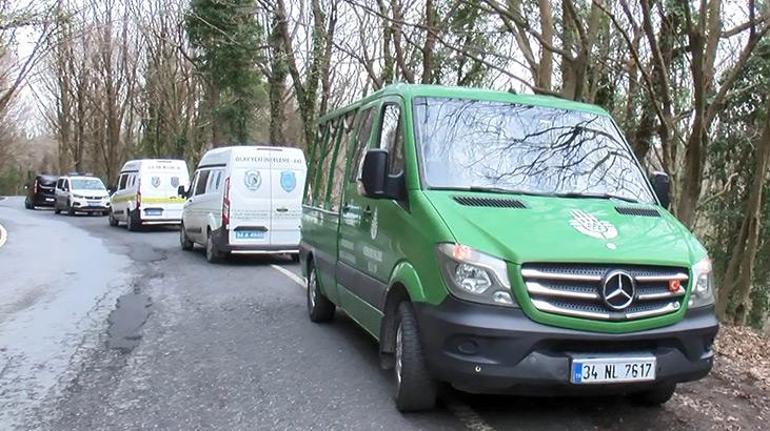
(90, 193)
(553, 229)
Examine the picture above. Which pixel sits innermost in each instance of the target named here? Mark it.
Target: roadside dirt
(736, 395)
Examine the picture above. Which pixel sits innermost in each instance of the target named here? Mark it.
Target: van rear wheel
(319, 308)
(415, 387)
(213, 254)
(111, 218)
(184, 241)
(133, 223)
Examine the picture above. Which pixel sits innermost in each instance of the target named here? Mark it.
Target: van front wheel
(656, 396)
(415, 387)
(319, 308)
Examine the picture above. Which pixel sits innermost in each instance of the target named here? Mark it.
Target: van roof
(133, 165)
(221, 155)
(410, 91)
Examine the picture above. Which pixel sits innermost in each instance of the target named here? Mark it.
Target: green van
(502, 243)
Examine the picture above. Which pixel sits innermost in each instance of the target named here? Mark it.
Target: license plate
(612, 370)
(94, 203)
(249, 234)
(153, 212)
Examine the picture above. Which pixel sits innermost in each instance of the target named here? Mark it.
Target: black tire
(415, 387)
(56, 210)
(70, 210)
(295, 257)
(112, 220)
(656, 396)
(105, 213)
(319, 308)
(213, 254)
(133, 223)
(184, 241)
(28, 206)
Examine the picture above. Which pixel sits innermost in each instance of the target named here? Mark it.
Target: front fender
(212, 222)
(405, 274)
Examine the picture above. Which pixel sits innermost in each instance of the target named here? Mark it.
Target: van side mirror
(374, 171)
(111, 189)
(181, 191)
(378, 184)
(661, 184)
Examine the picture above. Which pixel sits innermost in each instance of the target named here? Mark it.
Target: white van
(245, 199)
(81, 193)
(147, 193)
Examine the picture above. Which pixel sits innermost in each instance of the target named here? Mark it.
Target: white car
(245, 199)
(80, 193)
(147, 193)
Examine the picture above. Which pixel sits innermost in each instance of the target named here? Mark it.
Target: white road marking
(3, 235)
(464, 413)
(467, 416)
(294, 277)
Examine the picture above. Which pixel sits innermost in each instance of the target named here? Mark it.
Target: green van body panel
(366, 246)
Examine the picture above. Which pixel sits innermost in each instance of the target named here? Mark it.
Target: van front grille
(578, 290)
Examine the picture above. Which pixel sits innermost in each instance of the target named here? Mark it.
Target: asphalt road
(101, 328)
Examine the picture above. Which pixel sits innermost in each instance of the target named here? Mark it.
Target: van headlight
(703, 287)
(78, 196)
(475, 276)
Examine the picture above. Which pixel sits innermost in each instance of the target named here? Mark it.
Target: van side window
(315, 158)
(59, 184)
(391, 138)
(122, 181)
(343, 154)
(213, 183)
(327, 164)
(362, 140)
(65, 185)
(200, 187)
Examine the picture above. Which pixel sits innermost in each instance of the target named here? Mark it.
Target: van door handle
(367, 212)
(281, 210)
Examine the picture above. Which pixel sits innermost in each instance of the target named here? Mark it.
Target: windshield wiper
(595, 196)
(491, 189)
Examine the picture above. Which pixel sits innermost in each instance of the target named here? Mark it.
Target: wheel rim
(312, 290)
(399, 356)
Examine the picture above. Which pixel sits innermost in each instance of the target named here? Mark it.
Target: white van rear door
(288, 183)
(160, 181)
(249, 196)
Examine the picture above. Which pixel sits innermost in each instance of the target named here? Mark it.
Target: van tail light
(226, 204)
(138, 193)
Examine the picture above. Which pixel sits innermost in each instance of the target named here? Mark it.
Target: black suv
(40, 192)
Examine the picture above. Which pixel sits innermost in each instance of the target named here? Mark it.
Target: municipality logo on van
(288, 181)
(589, 224)
(252, 180)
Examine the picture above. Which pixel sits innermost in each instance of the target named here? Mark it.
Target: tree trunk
(738, 277)
(277, 83)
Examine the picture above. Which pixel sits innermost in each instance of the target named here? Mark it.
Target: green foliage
(227, 37)
(732, 158)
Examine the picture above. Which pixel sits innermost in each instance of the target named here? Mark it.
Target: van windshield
(87, 184)
(506, 147)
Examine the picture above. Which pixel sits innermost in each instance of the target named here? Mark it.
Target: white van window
(200, 186)
(213, 184)
(122, 182)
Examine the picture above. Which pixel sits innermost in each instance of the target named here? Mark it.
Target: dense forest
(688, 82)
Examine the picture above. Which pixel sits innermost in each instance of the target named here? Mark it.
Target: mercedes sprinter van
(503, 243)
